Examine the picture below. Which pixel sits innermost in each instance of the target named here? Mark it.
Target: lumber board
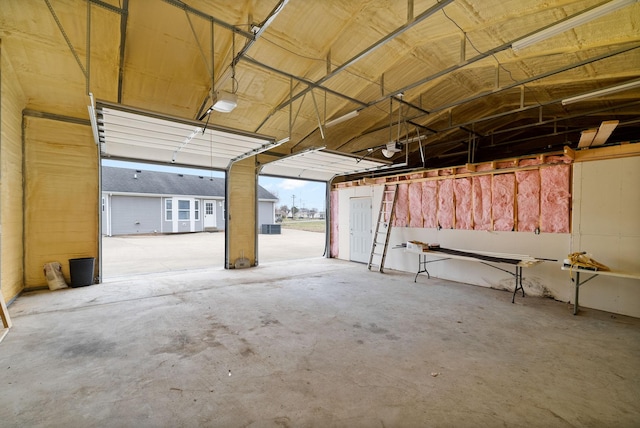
(604, 132)
(4, 314)
(586, 138)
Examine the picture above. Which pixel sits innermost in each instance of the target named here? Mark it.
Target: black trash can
(81, 271)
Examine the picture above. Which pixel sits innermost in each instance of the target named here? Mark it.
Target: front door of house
(209, 214)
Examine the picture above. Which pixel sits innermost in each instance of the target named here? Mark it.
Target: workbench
(593, 273)
(519, 261)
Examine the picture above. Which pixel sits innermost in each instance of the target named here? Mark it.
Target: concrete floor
(140, 254)
(315, 342)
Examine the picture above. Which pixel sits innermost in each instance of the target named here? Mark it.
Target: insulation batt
(334, 223)
(482, 202)
(528, 200)
(554, 199)
(402, 206)
(484, 167)
(430, 203)
(529, 162)
(503, 193)
(445, 204)
(415, 204)
(462, 192)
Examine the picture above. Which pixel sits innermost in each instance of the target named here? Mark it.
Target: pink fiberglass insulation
(432, 173)
(415, 204)
(462, 192)
(445, 204)
(528, 200)
(503, 193)
(430, 203)
(482, 202)
(529, 162)
(505, 164)
(559, 159)
(554, 199)
(402, 206)
(334, 223)
(484, 167)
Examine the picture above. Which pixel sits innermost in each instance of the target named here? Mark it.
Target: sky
(308, 194)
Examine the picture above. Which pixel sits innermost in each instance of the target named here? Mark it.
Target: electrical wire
(493, 55)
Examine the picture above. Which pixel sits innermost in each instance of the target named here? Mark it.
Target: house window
(196, 209)
(103, 204)
(208, 208)
(183, 209)
(168, 209)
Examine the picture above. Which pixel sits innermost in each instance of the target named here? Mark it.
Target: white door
(360, 229)
(209, 214)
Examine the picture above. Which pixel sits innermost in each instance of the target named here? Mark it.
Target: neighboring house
(138, 201)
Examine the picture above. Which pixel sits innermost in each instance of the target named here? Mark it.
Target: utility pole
(293, 206)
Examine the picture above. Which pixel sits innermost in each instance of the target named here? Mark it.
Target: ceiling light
(574, 21)
(224, 102)
(341, 119)
(601, 92)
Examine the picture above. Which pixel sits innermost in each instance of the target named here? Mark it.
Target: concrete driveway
(142, 254)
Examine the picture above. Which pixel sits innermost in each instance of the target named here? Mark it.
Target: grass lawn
(307, 225)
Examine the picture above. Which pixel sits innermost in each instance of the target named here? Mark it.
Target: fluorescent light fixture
(572, 22)
(602, 92)
(224, 102)
(341, 119)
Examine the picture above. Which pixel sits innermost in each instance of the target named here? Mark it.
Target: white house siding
(266, 213)
(134, 214)
(128, 215)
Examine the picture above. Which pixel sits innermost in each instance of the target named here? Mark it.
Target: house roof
(128, 180)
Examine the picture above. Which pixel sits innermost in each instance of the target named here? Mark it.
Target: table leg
(577, 291)
(518, 286)
(422, 267)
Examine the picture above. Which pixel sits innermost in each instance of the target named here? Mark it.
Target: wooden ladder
(383, 227)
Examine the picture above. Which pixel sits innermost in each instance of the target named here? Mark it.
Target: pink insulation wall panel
(529, 162)
(528, 200)
(554, 198)
(445, 204)
(415, 204)
(482, 202)
(502, 198)
(462, 193)
(402, 206)
(333, 203)
(430, 204)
